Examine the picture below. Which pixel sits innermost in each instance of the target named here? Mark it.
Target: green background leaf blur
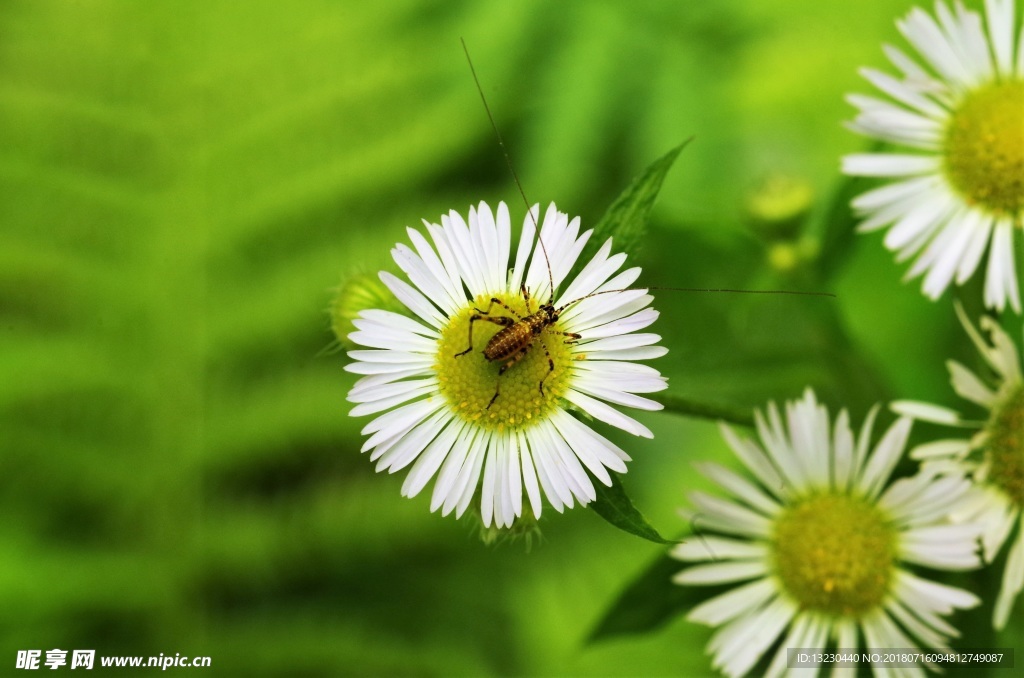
(182, 185)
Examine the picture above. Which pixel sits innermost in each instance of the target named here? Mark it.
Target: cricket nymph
(511, 339)
(517, 335)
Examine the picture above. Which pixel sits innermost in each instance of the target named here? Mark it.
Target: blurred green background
(184, 184)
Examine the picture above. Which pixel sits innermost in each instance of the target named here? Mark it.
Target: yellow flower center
(835, 554)
(1006, 446)
(469, 382)
(985, 148)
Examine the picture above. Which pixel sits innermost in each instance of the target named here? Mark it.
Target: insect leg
(497, 385)
(501, 303)
(573, 337)
(551, 367)
(497, 320)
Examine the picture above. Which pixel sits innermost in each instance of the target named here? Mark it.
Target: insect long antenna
(699, 289)
(508, 161)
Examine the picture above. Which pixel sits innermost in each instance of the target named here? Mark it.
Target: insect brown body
(517, 335)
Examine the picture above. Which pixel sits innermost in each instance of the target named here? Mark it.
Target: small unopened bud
(359, 292)
(778, 206)
(788, 256)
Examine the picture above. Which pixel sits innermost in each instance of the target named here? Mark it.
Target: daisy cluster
(820, 547)
(489, 379)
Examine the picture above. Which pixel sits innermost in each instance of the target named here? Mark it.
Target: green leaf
(615, 506)
(648, 602)
(626, 218)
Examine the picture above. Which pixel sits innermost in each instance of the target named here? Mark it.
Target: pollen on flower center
(985, 148)
(1006, 447)
(835, 553)
(469, 382)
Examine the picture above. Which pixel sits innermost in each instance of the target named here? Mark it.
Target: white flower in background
(993, 455)
(957, 188)
(449, 414)
(818, 545)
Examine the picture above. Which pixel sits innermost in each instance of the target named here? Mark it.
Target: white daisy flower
(819, 544)
(993, 455)
(452, 413)
(957, 190)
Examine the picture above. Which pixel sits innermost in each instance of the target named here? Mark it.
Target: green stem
(692, 408)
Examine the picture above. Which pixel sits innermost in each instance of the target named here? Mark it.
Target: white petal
(412, 443)
(430, 461)
(730, 605)
(470, 267)
(609, 454)
(930, 629)
(754, 459)
(926, 36)
(448, 278)
(940, 448)
(526, 241)
(388, 356)
(595, 273)
(925, 412)
(607, 414)
(903, 93)
(424, 278)
(740, 487)
(443, 245)
(721, 573)
(529, 474)
(956, 542)
(617, 397)
(429, 386)
(488, 488)
(445, 486)
(628, 341)
(407, 414)
(927, 594)
(980, 234)
(637, 321)
(726, 516)
(699, 548)
(842, 445)
(885, 456)
(1000, 32)
(741, 651)
(406, 369)
(1013, 582)
(638, 353)
(412, 299)
(1001, 278)
(551, 479)
(469, 476)
(568, 464)
(889, 164)
(487, 236)
(968, 385)
(918, 221)
(384, 391)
